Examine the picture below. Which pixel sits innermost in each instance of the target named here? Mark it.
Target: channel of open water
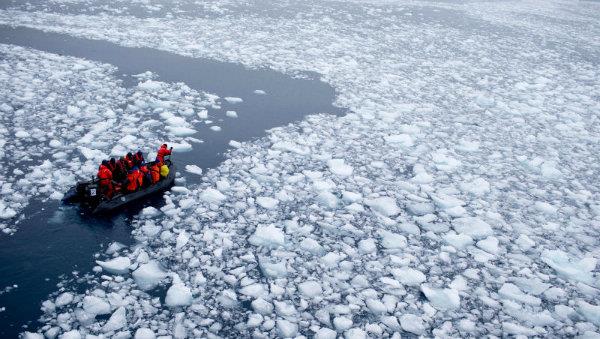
(55, 243)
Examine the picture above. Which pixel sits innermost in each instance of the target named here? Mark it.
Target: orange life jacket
(155, 172)
(132, 182)
(104, 174)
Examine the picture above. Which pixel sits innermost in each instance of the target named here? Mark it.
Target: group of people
(131, 172)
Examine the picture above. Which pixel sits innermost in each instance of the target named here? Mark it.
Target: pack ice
(457, 198)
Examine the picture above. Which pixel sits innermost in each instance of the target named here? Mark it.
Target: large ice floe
(460, 197)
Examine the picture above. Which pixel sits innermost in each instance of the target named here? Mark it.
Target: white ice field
(460, 197)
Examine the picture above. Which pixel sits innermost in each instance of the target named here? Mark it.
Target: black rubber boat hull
(121, 200)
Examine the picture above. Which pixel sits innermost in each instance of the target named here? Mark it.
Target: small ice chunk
(342, 323)
(339, 168)
(116, 321)
(442, 299)
(212, 196)
(401, 140)
(64, 299)
(458, 241)
(325, 333)
(233, 100)
(579, 270)
(194, 169)
(150, 85)
(489, 244)
(589, 312)
(311, 245)
(268, 236)
(149, 275)
(412, 323)
(367, 246)
(94, 305)
(408, 276)
(545, 208)
(262, 306)
(391, 240)
(472, 226)
(215, 128)
(267, 202)
(286, 329)
(327, 199)
(178, 294)
(231, 114)
(513, 292)
(254, 290)
(144, 333)
(310, 289)
(259, 92)
(118, 265)
(383, 205)
(72, 334)
(524, 242)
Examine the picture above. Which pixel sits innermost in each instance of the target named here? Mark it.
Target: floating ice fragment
(412, 323)
(383, 205)
(589, 312)
(233, 100)
(489, 244)
(144, 333)
(458, 241)
(150, 85)
(472, 226)
(392, 240)
(442, 299)
(178, 294)
(511, 291)
(409, 276)
(259, 92)
(231, 114)
(94, 305)
(64, 299)
(72, 334)
(578, 270)
(402, 140)
(147, 276)
(367, 246)
(325, 333)
(327, 199)
(339, 168)
(194, 169)
(116, 321)
(268, 236)
(310, 289)
(118, 265)
(212, 196)
(267, 202)
(286, 329)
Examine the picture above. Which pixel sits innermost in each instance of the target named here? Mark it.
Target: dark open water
(56, 240)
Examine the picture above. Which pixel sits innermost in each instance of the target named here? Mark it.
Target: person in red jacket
(155, 172)
(131, 182)
(162, 152)
(129, 163)
(145, 175)
(138, 159)
(105, 180)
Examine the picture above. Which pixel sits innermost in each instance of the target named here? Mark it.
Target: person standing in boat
(163, 152)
